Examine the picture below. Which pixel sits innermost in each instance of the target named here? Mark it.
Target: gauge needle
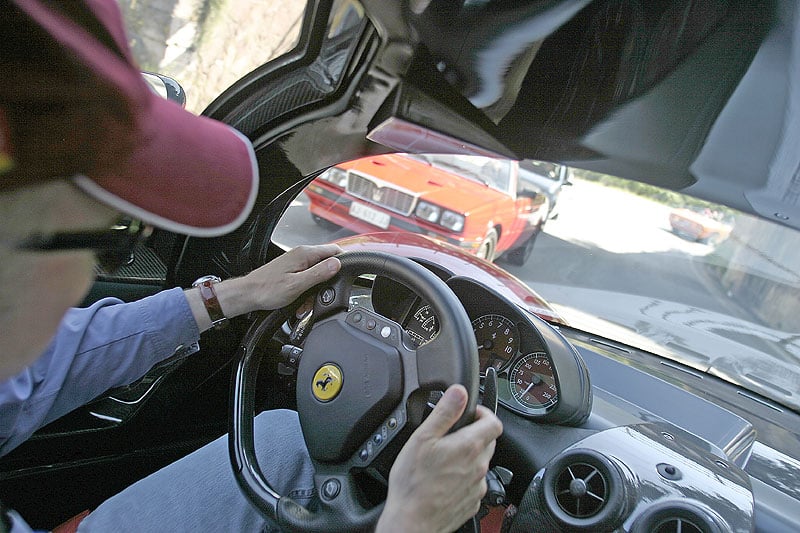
(535, 380)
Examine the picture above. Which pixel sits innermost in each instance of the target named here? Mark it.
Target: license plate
(368, 214)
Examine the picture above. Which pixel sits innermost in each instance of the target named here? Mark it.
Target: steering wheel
(356, 377)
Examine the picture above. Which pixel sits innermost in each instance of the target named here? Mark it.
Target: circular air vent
(584, 490)
(581, 490)
(676, 525)
(678, 517)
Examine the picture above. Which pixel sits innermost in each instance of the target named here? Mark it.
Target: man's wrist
(236, 296)
(400, 522)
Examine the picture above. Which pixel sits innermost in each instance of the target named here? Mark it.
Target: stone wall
(208, 44)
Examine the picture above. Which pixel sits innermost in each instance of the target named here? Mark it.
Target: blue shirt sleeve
(18, 525)
(96, 348)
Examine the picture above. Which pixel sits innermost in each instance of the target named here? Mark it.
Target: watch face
(199, 281)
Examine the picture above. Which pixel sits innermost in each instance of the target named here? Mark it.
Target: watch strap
(210, 300)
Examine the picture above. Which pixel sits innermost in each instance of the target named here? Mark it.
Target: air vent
(678, 517)
(584, 490)
(581, 490)
(677, 525)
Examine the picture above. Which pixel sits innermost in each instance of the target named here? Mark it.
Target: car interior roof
(684, 95)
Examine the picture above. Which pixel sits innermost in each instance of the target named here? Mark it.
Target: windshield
(690, 281)
(495, 173)
(541, 168)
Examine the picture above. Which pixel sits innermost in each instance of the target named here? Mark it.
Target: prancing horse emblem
(327, 382)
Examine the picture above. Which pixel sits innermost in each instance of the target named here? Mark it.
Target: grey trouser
(199, 492)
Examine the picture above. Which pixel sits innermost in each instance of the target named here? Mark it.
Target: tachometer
(498, 341)
(533, 383)
(423, 326)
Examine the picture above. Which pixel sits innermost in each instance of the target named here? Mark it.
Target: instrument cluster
(519, 346)
(526, 378)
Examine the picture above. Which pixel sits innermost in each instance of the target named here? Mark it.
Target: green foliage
(657, 194)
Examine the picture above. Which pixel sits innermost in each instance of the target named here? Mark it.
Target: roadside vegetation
(657, 194)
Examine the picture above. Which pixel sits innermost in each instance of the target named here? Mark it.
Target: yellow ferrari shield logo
(327, 382)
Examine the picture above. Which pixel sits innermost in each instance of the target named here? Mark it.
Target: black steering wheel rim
(340, 508)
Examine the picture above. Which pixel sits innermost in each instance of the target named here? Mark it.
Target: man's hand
(271, 286)
(282, 280)
(438, 479)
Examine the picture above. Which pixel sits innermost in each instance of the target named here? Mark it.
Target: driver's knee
(282, 454)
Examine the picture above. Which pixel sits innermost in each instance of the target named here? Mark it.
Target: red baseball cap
(74, 104)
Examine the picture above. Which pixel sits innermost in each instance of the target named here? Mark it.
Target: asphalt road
(610, 240)
(296, 227)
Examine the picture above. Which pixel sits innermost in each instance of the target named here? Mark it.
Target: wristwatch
(209, 296)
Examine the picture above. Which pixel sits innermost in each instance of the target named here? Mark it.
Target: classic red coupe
(480, 204)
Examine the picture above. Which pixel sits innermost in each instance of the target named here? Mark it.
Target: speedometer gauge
(498, 341)
(533, 383)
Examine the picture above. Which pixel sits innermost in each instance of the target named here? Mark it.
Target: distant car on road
(480, 204)
(548, 177)
(706, 226)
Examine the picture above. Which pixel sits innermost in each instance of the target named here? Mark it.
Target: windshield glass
(495, 173)
(540, 168)
(691, 281)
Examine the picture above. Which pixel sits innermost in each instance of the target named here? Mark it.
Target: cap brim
(190, 174)
(158, 162)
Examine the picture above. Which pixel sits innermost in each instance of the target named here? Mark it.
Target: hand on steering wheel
(355, 383)
(439, 478)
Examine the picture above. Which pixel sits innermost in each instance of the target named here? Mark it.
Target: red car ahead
(707, 226)
(480, 204)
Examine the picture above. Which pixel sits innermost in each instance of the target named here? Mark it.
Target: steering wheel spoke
(340, 507)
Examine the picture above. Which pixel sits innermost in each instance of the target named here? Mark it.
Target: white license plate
(368, 214)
